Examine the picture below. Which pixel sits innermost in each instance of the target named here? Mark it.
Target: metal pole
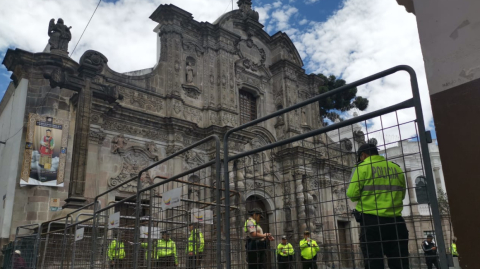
(74, 248)
(149, 255)
(437, 221)
(217, 193)
(227, 202)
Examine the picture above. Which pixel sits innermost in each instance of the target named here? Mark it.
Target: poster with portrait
(45, 151)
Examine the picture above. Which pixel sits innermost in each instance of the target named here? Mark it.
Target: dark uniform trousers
(432, 260)
(256, 254)
(285, 262)
(168, 261)
(381, 236)
(116, 264)
(309, 264)
(194, 261)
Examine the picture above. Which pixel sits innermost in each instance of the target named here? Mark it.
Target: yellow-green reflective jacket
(378, 186)
(252, 220)
(309, 251)
(116, 250)
(285, 250)
(196, 242)
(163, 249)
(454, 249)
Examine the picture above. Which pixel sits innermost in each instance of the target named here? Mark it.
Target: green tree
(443, 201)
(340, 102)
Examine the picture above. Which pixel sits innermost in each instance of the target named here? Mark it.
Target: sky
(350, 39)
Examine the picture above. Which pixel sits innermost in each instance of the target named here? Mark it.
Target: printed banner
(114, 220)
(202, 216)
(171, 199)
(79, 234)
(156, 234)
(45, 151)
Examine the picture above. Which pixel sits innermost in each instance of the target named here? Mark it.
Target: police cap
(166, 232)
(368, 148)
(284, 237)
(429, 236)
(256, 211)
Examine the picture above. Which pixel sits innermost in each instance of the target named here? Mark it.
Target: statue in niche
(304, 117)
(189, 70)
(59, 35)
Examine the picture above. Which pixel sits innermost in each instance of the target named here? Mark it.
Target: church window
(248, 107)
(421, 190)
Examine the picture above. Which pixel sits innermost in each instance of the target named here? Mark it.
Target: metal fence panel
(300, 183)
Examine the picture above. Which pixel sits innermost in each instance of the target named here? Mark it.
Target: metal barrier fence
(194, 219)
(301, 183)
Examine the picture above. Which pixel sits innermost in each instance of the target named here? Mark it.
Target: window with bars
(248, 107)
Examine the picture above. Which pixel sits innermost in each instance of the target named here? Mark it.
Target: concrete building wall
(11, 125)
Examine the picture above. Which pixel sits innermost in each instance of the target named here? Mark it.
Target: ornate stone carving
(213, 118)
(346, 144)
(246, 10)
(191, 91)
(193, 114)
(193, 159)
(189, 73)
(177, 107)
(229, 119)
(253, 56)
(193, 48)
(154, 134)
(373, 141)
(134, 159)
(119, 143)
(340, 202)
(97, 136)
(59, 35)
(151, 147)
(143, 101)
(359, 137)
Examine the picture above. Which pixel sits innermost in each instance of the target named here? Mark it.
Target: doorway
(345, 245)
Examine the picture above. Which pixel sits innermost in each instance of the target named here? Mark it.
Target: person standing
(195, 246)
(116, 253)
(430, 250)
(308, 251)
(18, 261)
(256, 240)
(166, 251)
(454, 251)
(379, 187)
(285, 254)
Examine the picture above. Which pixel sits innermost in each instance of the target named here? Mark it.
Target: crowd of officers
(258, 243)
(163, 252)
(377, 186)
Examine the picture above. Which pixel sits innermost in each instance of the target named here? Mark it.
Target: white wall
(11, 126)
(456, 25)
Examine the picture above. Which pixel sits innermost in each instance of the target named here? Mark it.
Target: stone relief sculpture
(119, 143)
(151, 147)
(59, 35)
(304, 118)
(189, 71)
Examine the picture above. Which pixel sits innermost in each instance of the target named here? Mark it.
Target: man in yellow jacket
(378, 186)
(165, 251)
(285, 254)
(195, 246)
(308, 251)
(116, 253)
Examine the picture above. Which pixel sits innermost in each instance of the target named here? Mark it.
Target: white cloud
(280, 17)
(122, 31)
(363, 38)
(302, 22)
(311, 1)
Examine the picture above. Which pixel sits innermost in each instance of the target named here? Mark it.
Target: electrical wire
(86, 27)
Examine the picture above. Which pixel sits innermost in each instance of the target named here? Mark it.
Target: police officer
(285, 254)
(379, 188)
(308, 251)
(430, 250)
(256, 240)
(166, 251)
(116, 252)
(195, 246)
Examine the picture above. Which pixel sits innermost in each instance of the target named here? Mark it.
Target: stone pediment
(253, 56)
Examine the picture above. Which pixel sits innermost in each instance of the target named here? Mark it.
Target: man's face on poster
(49, 133)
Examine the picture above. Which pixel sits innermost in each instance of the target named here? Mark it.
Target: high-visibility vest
(196, 242)
(285, 250)
(378, 186)
(163, 249)
(454, 249)
(116, 252)
(254, 223)
(308, 251)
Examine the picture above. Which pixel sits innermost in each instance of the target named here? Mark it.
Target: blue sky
(348, 38)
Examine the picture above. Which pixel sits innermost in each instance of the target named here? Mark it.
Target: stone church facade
(208, 79)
